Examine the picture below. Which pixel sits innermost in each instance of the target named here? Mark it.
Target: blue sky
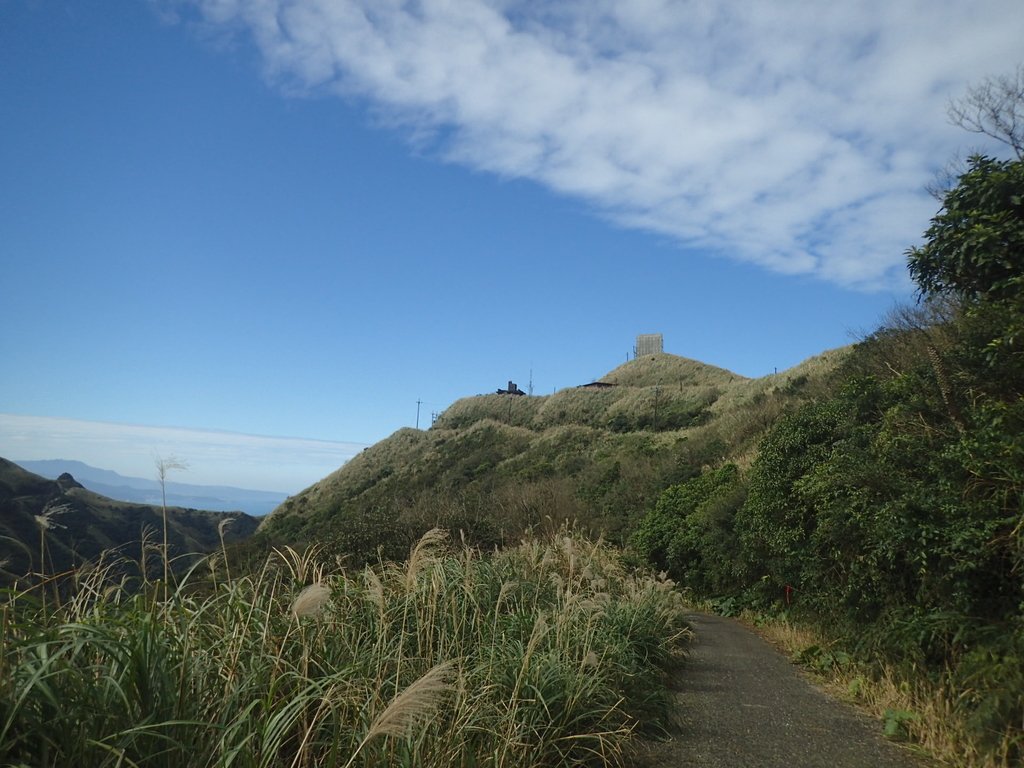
(294, 219)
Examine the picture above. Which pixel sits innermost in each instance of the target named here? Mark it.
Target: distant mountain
(218, 498)
(50, 526)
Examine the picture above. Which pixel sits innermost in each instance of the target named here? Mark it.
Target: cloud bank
(214, 458)
(797, 136)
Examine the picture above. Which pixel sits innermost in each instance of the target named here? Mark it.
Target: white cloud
(214, 458)
(796, 135)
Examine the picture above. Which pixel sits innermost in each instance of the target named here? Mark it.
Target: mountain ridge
(113, 485)
(51, 526)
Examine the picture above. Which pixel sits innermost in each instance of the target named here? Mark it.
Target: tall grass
(926, 712)
(549, 653)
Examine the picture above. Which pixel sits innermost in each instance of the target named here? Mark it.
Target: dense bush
(891, 511)
(689, 533)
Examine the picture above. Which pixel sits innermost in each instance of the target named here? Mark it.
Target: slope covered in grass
(494, 465)
(50, 526)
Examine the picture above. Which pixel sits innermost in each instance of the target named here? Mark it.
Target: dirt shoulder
(741, 703)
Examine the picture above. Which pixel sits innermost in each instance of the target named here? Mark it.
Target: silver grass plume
(416, 704)
(311, 600)
(421, 553)
(412, 707)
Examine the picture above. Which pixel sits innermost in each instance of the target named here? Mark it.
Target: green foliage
(822, 659)
(897, 529)
(975, 251)
(775, 524)
(991, 677)
(368, 535)
(549, 653)
(889, 509)
(689, 533)
(975, 245)
(859, 503)
(894, 506)
(895, 722)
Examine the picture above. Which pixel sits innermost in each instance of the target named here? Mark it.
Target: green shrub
(689, 533)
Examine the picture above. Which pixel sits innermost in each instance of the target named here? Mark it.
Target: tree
(994, 108)
(975, 244)
(689, 532)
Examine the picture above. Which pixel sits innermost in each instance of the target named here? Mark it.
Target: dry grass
(311, 600)
(362, 471)
(812, 370)
(509, 409)
(670, 371)
(548, 653)
(921, 714)
(665, 416)
(675, 378)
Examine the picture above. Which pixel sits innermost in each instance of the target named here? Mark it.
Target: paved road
(744, 704)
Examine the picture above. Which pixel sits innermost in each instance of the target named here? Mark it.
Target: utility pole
(418, 413)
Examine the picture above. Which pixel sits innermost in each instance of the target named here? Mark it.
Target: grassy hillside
(48, 526)
(493, 465)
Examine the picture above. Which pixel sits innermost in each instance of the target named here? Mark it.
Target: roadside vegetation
(888, 515)
(547, 653)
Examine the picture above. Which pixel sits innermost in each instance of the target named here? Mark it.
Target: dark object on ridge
(512, 390)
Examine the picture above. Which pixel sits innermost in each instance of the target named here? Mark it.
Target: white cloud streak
(214, 458)
(794, 135)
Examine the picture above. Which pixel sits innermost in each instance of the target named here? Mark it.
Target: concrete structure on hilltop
(648, 344)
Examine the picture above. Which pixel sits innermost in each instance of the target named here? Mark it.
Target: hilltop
(79, 525)
(493, 465)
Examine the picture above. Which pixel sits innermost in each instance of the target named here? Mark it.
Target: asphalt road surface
(741, 703)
